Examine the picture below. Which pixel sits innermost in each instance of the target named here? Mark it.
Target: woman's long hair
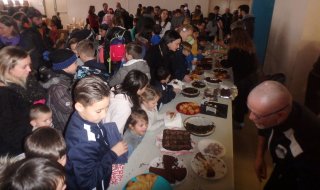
(168, 37)
(240, 39)
(134, 81)
(9, 58)
(9, 21)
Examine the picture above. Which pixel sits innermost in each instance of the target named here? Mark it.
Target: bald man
(292, 135)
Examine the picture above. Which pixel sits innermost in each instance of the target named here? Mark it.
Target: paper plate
(212, 147)
(148, 181)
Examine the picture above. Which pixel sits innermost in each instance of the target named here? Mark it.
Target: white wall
(294, 42)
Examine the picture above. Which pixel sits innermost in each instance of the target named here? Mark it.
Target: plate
(229, 93)
(202, 167)
(198, 84)
(188, 108)
(212, 147)
(190, 92)
(199, 126)
(148, 181)
(221, 73)
(158, 163)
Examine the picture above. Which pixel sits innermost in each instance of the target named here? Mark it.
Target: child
(40, 116)
(46, 143)
(135, 129)
(186, 51)
(134, 61)
(149, 102)
(59, 93)
(92, 146)
(167, 91)
(155, 39)
(86, 51)
(126, 96)
(35, 173)
(72, 45)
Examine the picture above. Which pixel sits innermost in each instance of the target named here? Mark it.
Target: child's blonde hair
(149, 94)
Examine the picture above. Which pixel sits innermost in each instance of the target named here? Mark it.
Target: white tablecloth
(139, 161)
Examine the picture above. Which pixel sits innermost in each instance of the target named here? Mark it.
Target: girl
(164, 22)
(126, 96)
(243, 60)
(149, 101)
(135, 129)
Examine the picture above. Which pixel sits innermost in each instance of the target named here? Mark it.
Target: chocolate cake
(176, 140)
(171, 170)
(190, 92)
(198, 129)
(225, 92)
(198, 84)
(212, 80)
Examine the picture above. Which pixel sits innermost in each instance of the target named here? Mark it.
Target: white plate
(199, 121)
(212, 147)
(175, 122)
(218, 165)
(158, 163)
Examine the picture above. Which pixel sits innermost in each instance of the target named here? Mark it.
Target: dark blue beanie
(62, 58)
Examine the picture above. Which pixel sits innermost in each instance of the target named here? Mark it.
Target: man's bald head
(270, 104)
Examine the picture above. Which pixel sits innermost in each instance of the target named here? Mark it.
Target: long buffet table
(140, 159)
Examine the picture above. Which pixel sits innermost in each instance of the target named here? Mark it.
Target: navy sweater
(90, 158)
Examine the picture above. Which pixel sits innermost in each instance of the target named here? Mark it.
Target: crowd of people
(74, 108)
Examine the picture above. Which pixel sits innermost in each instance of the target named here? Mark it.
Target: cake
(190, 92)
(176, 140)
(225, 92)
(171, 170)
(198, 84)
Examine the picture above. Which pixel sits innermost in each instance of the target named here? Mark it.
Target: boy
(64, 66)
(46, 143)
(35, 173)
(168, 93)
(40, 116)
(134, 62)
(186, 51)
(92, 146)
(86, 52)
(155, 39)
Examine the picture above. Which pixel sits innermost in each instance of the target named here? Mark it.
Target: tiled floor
(245, 142)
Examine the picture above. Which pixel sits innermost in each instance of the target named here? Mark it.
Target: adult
(15, 103)
(243, 60)
(177, 19)
(34, 38)
(9, 32)
(139, 11)
(127, 19)
(107, 19)
(212, 27)
(227, 20)
(291, 133)
(312, 99)
(163, 53)
(93, 19)
(247, 19)
(196, 15)
(164, 22)
(103, 12)
(156, 12)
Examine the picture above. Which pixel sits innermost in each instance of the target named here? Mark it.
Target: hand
(176, 90)
(120, 148)
(260, 168)
(171, 114)
(187, 78)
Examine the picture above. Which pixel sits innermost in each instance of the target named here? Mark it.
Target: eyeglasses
(269, 114)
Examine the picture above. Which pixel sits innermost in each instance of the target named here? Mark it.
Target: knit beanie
(62, 58)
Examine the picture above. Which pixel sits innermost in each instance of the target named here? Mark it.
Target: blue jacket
(89, 154)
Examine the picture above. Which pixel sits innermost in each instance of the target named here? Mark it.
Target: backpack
(117, 47)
